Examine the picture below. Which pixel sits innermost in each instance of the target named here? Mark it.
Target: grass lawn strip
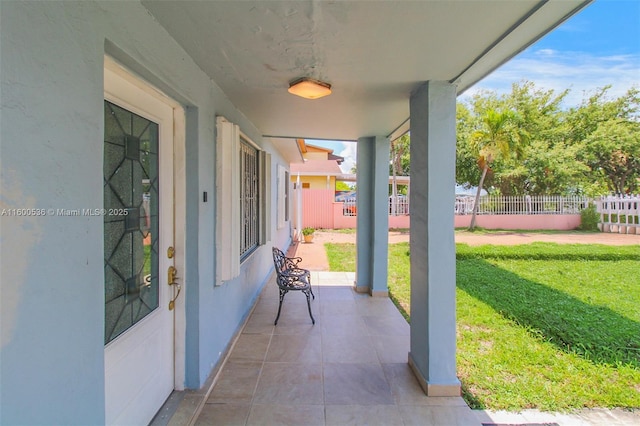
(545, 326)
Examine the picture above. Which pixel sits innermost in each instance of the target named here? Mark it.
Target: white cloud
(349, 153)
(546, 52)
(580, 72)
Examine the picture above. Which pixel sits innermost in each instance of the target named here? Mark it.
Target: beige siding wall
(316, 155)
(316, 182)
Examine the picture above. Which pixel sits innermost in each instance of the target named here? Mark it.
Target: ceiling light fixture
(309, 88)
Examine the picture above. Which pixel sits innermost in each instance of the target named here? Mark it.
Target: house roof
(336, 158)
(307, 147)
(316, 168)
(373, 53)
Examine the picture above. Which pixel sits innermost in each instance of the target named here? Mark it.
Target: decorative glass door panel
(130, 219)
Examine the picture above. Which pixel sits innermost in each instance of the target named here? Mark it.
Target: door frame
(179, 214)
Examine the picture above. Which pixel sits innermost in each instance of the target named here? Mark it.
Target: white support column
(372, 238)
(433, 255)
(298, 209)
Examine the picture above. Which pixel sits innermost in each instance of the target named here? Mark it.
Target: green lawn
(542, 325)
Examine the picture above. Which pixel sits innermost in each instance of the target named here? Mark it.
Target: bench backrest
(282, 262)
(279, 260)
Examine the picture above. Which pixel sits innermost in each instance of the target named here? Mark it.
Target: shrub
(589, 219)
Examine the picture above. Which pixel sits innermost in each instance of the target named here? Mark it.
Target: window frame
(284, 194)
(229, 254)
(249, 197)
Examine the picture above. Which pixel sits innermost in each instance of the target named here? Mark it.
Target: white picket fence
(398, 208)
(349, 207)
(492, 205)
(619, 213)
(525, 205)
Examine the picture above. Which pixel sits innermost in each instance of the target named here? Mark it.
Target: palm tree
(498, 137)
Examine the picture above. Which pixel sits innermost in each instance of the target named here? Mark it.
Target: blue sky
(597, 47)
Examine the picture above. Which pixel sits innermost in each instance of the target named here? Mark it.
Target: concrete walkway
(585, 417)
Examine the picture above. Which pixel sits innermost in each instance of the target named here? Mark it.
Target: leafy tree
(613, 150)
(547, 164)
(400, 157)
(342, 186)
(598, 108)
(566, 152)
(552, 169)
(399, 150)
(586, 150)
(606, 133)
(467, 170)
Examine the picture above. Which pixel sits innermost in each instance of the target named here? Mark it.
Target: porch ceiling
(373, 53)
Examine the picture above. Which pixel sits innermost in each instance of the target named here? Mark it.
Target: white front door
(138, 237)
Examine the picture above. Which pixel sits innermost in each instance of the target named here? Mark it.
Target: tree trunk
(394, 189)
(476, 202)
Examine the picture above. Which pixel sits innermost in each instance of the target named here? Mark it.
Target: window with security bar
(249, 199)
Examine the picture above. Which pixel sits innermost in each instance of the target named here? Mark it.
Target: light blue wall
(51, 267)
(52, 300)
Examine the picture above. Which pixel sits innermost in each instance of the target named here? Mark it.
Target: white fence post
(626, 209)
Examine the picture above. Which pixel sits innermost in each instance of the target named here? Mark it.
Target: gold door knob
(171, 275)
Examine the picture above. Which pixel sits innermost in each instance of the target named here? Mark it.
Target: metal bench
(291, 278)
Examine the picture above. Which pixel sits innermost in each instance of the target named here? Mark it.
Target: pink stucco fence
(321, 211)
(560, 222)
(317, 208)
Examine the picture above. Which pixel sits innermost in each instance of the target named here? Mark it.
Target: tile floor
(350, 368)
